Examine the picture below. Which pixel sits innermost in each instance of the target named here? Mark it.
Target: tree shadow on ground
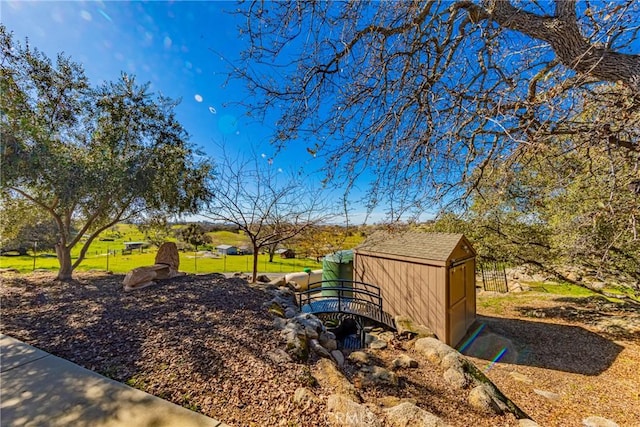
(544, 345)
(615, 320)
(174, 339)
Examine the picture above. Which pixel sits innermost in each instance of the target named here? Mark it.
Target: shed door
(471, 291)
(457, 304)
(457, 284)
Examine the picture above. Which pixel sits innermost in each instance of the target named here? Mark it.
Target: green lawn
(188, 263)
(97, 258)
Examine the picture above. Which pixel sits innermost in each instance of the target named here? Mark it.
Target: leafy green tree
(156, 229)
(90, 156)
(322, 240)
(560, 207)
(21, 226)
(195, 235)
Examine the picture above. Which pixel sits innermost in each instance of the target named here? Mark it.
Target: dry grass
(585, 350)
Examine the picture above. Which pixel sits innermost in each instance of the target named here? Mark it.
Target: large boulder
(407, 327)
(303, 397)
(598, 422)
(328, 340)
(407, 414)
(337, 357)
(168, 255)
(434, 350)
(377, 344)
(373, 376)
(484, 399)
(278, 282)
(330, 378)
(166, 267)
(404, 361)
(296, 341)
(342, 411)
(312, 325)
(279, 356)
(142, 277)
(360, 358)
(455, 378)
(318, 349)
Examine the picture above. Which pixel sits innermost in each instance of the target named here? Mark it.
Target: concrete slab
(15, 353)
(39, 389)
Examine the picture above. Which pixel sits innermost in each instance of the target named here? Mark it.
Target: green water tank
(338, 265)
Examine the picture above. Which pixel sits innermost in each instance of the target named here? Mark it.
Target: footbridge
(345, 297)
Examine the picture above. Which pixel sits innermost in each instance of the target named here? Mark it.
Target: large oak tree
(425, 95)
(90, 157)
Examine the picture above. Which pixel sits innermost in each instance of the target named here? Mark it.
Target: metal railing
(345, 296)
(344, 291)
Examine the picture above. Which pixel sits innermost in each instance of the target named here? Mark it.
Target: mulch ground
(201, 342)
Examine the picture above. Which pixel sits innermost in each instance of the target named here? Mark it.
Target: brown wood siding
(435, 293)
(408, 288)
(433, 298)
(442, 297)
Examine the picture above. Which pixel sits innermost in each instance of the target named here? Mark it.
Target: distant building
(134, 245)
(245, 250)
(129, 247)
(286, 253)
(227, 250)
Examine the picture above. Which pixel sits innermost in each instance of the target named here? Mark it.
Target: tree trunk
(254, 274)
(271, 250)
(64, 258)
(563, 34)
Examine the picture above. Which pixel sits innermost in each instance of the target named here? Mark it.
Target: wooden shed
(429, 277)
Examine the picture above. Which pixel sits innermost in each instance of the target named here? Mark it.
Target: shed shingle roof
(433, 246)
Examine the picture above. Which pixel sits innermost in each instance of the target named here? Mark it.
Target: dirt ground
(563, 359)
(202, 341)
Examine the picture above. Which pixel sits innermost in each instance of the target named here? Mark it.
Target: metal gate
(494, 276)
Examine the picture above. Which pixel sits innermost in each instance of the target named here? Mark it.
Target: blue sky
(184, 49)
(168, 44)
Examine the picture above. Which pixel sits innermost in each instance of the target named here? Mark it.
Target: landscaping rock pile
(305, 334)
